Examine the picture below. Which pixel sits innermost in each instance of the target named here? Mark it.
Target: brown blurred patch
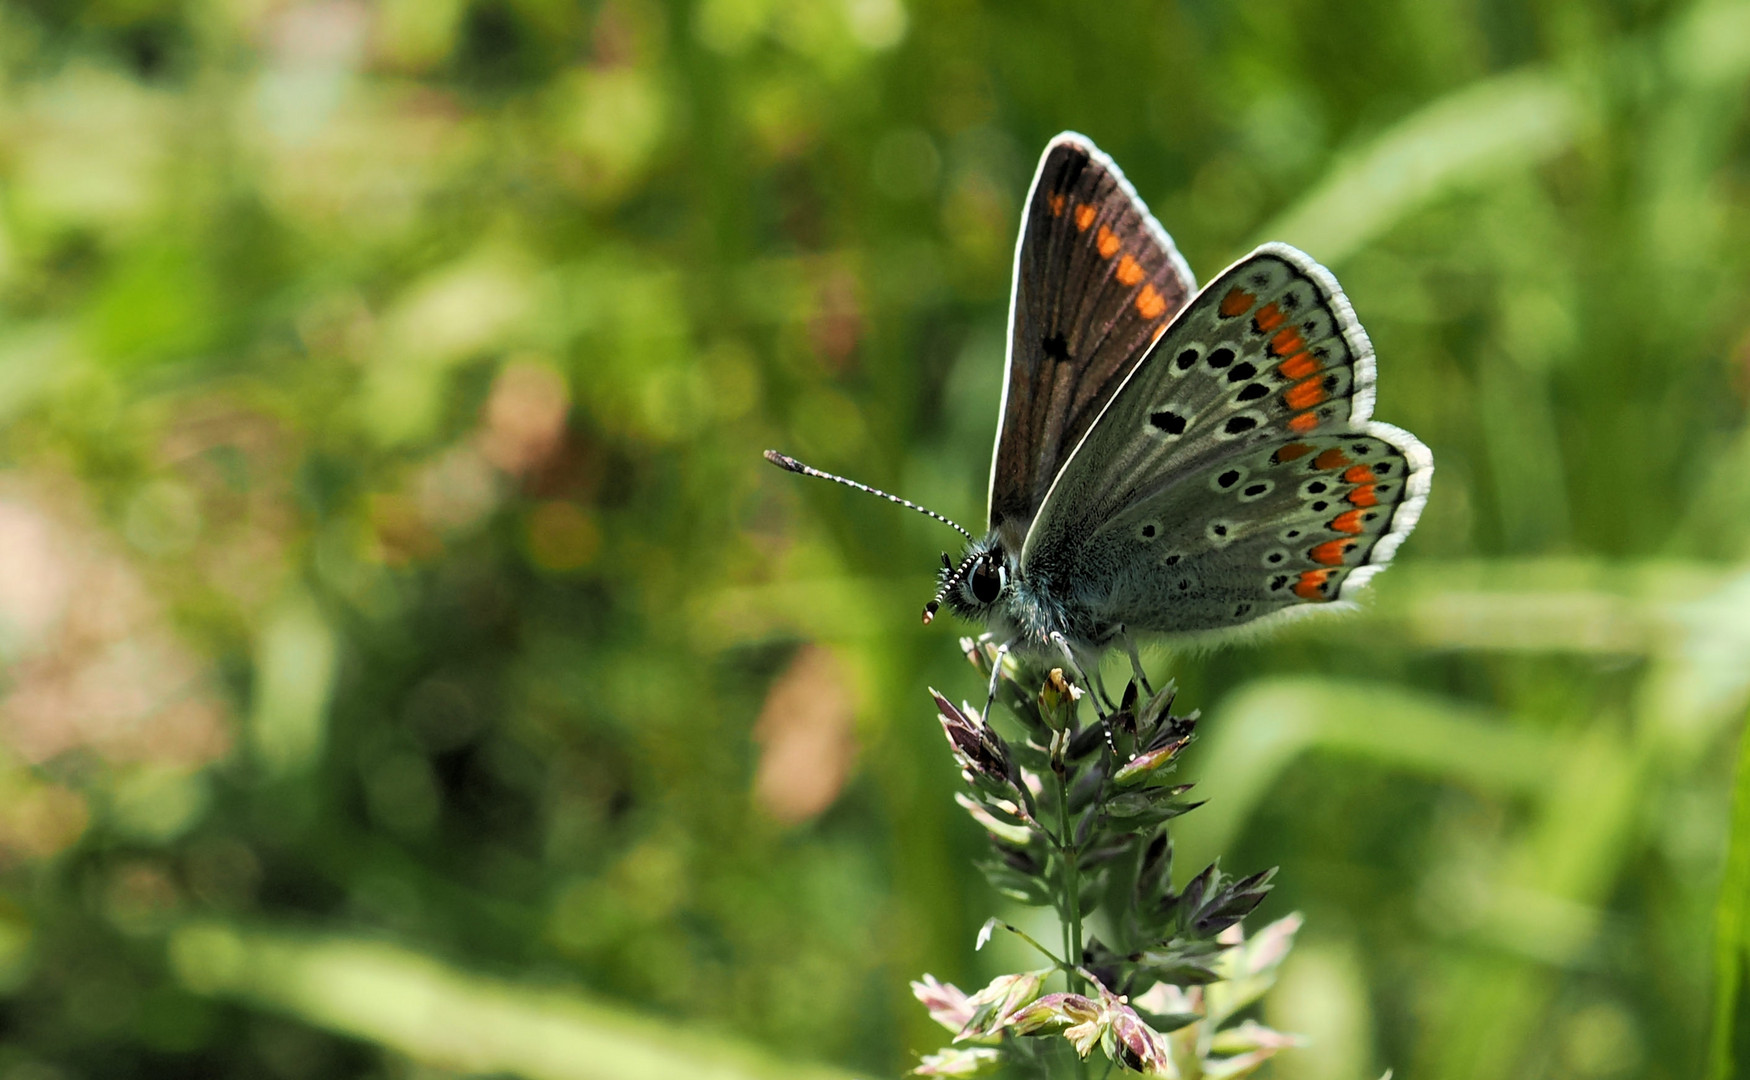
(523, 437)
(525, 416)
(1740, 368)
(807, 737)
(613, 40)
(235, 459)
(322, 34)
(94, 661)
(837, 324)
(38, 820)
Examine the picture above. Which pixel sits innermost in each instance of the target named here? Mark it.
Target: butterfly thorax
(1023, 609)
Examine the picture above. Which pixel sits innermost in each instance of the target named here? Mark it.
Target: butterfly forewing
(1096, 280)
(1236, 473)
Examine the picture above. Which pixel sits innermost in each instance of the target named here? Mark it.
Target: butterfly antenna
(784, 461)
(949, 582)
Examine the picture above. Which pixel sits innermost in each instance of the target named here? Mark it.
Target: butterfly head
(975, 585)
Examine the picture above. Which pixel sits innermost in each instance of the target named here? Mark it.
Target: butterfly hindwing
(1246, 423)
(1303, 521)
(1096, 280)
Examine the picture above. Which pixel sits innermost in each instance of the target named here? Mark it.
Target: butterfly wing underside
(1096, 280)
(1237, 473)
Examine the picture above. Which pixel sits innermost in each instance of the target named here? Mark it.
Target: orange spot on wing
(1304, 395)
(1363, 496)
(1291, 451)
(1269, 317)
(1349, 521)
(1299, 366)
(1311, 581)
(1303, 423)
(1149, 303)
(1107, 241)
(1287, 341)
(1056, 204)
(1130, 271)
(1331, 552)
(1236, 302)
(1334, 458)
(1085, 216)
(1360, 474)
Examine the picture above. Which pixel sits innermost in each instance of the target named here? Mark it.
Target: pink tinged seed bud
(1269, 946)
(1018, 835)
(1083, 1036)
(947, 1003)
(1142, 765)
(974, 747)
(970, 648)
(1058, 685)
(1057, 700)
(992, 1006)
(1248, 967)
(1165, 999)
(1249, 1037)
(1250, 1044)
(1111, 1022)
(947, 709)
(1020, 989)
(960, 1061)
(1144, 1049)
(1054, 1010)
(1003, 810)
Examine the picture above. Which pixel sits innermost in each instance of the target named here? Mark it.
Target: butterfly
(1169, 460)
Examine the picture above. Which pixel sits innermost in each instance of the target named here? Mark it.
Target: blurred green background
(412, 670)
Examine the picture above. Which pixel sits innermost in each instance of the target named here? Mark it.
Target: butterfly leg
(996, 672)
(1082, 679)
(1100, 693)
(1100, 714)
(1136, 664)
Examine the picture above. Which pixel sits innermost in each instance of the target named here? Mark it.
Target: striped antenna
(784, 461)
(953, 579)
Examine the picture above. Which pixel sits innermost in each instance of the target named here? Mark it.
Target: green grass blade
(444, 1017)
(1729, 921)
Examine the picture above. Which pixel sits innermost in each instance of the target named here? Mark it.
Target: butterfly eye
(986, 582)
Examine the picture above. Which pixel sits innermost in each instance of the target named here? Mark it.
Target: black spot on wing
(1168, 421)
